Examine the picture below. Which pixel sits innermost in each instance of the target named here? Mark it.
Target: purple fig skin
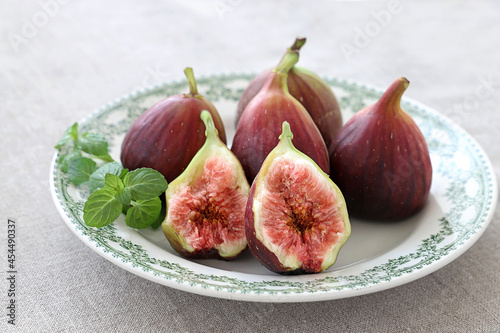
(311, 91)
(168, 135)
(250, 92)
(259, 128)
(381, 162)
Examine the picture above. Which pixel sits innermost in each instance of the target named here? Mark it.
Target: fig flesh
(260, 124)
(310, 90)
(380, 160)
(296, 218)
(206, 203)
(167, 135)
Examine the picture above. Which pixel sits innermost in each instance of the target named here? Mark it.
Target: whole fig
(380, 160)
(260, 124)
(296, 219)
(167, 135)
(206, 203)
(310, 90)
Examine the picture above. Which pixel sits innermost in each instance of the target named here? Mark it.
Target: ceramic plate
(376, 257)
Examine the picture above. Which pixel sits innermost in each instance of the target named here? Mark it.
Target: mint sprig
(83, 148)
(113, 189)
(119, 194)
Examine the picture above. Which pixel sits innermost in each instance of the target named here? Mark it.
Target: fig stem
(299, 42)
(287, 62)
(193, 89)
(392, 96)
(210, 129)
(286, 135)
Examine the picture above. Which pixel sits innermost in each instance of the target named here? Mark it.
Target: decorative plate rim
(276, 288)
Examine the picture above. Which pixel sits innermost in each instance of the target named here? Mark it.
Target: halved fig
(206, 203)
(296, 218)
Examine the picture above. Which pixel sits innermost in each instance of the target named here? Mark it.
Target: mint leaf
(123, 173)
(161, 217)
(143, 213)
(96, 180)
(145, 183)
(94, 144)
(70, 134)
(113, 182)
(106, 158)
(124, 197)
(65, 159)
(80, 169)
(101, 208)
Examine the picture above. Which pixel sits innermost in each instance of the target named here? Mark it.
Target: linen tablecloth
(61, 59)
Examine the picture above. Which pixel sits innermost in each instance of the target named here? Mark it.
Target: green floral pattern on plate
(470, 196)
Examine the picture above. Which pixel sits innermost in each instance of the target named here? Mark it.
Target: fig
(167, 135)
(260, 124)
(380, 160)
(296, 218)
(310, 90)
(206, 203)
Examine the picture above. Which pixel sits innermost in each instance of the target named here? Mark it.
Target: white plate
(377, 256)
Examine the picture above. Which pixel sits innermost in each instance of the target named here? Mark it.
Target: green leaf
(70, 134)
(123, 173)
(96, 180)
(113, 182)
(94, 144)
(106, 158)
(65, 159)
(145, 183)
(101, 208)
(161, 217)
(124, 196)
(80, 169)
(143, 213)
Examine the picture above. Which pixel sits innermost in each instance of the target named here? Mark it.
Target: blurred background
(91, 52)
(62, 59)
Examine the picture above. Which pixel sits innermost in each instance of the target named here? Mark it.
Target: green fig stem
(210, 130)
(392, 96)
(289, 60)
(286, 135)
(297, 45)
(193, 89)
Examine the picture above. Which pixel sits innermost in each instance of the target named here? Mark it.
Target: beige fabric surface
(57, 67)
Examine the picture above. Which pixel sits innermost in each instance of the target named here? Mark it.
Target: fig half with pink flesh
(296, 218)
(167, 135)
(260, 124)
(380, 160)
(310, 90)
(206, 203)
